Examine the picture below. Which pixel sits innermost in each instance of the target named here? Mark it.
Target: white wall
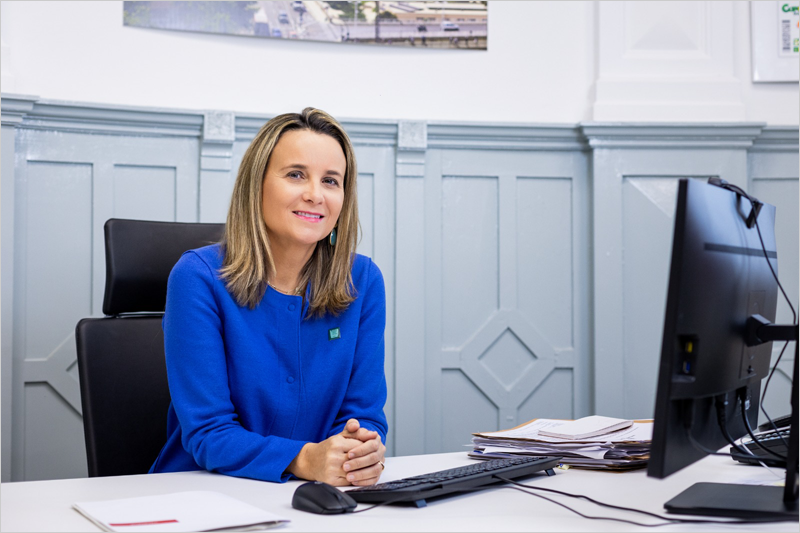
(81, 51)
(540, 67)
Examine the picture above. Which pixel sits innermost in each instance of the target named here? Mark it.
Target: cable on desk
(764, 395)
(709, 451)
(387, 502)
(689, 422)
(742, 393)
(668, 520)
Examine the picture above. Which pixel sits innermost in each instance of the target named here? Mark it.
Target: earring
(332, 238)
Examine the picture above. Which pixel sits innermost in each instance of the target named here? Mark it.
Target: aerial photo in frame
(453, 25)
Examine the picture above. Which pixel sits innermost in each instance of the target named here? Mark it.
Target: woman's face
(303, 189)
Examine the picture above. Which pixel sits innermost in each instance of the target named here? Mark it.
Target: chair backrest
(123, 377)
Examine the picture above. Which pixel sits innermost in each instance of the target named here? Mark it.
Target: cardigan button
(291, 307)
(290, 379)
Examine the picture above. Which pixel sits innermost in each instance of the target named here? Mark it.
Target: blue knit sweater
(250, 387)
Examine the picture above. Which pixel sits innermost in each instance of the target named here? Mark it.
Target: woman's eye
(331, 181)
(295, 175)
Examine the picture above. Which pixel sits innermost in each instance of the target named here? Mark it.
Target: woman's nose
(313, 192)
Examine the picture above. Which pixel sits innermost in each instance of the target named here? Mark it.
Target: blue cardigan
(250, 387)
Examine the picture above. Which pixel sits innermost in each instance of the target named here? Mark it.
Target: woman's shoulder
(363, 265)
(365, 271)
(207, 259)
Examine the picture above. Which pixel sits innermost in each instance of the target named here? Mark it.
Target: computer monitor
(710, 357)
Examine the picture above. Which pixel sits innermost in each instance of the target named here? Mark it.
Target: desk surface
(47, 505)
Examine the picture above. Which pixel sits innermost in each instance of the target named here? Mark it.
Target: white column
(667, 61)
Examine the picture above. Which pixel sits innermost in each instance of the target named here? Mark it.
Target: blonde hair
(248, 258)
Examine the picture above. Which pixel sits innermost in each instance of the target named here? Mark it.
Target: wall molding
(412, 141)
(735, 135)
(411, 137)
(361, 132)
(104, 118)
(15, 107)
(777, 139)
(505, 136)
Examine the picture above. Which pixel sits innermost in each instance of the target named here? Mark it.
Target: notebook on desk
(180, 511)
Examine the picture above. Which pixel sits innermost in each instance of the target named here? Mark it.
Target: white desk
(47, 505)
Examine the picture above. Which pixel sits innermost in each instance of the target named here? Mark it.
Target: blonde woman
(274, 337)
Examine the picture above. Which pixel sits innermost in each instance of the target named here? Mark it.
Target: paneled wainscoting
(525, 264)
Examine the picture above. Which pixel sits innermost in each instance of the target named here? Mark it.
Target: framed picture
(424, 25)
(775, 38)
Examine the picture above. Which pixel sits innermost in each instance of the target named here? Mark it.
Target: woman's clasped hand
(353, 457)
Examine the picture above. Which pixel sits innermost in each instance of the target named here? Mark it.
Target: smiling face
(303, 190)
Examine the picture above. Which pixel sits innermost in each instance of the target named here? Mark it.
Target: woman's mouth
(308, 216)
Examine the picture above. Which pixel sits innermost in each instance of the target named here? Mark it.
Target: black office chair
(123, 376)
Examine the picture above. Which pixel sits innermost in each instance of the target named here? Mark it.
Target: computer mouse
(321, 498)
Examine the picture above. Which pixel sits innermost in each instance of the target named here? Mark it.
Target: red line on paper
(173, 521)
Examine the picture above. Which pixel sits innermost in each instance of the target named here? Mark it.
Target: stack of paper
(592, 442)
(180, 511)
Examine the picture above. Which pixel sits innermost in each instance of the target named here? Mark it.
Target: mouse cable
(669, 521)
(399, 499)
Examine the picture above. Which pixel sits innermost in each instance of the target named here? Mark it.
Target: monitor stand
(739, 501)
(750, 501)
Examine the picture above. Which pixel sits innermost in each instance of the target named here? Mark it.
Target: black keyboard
(417, 489)
(776, 441)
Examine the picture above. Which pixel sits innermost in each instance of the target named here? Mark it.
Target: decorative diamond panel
(72, 371)
(507, 359)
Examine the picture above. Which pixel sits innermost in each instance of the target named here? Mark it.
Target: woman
(274, 337)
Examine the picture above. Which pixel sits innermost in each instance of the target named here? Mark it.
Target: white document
(638, 432)
(586, 427)
(592, 452)
(180, 511)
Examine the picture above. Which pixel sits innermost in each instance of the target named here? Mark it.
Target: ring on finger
(383, 466)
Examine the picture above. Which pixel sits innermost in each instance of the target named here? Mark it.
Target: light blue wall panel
(498, 225)
(465, 410)
(783, 194)
(215, 196)
(53, 436)
(549, 398)
(145, 193)
(648, 219)
(56, 269)
(54, 228)
(376, 211)
(7, 200)
(366, 214)
(774, 179)
(544, 241)
(469, 256)
(411, 325)
(68, 183)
